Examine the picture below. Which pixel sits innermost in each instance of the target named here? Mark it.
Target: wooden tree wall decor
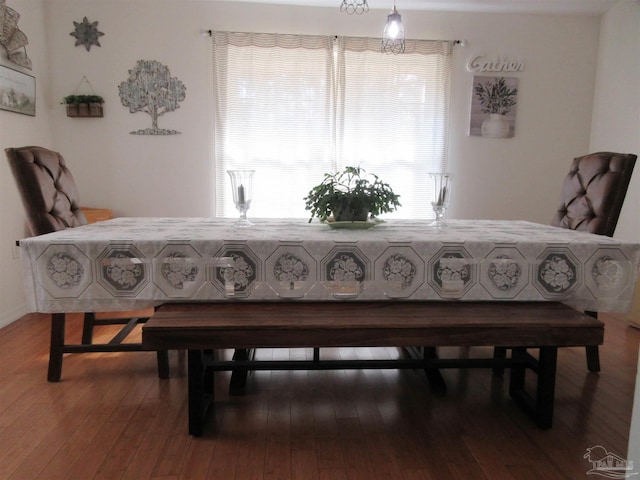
(86, 33)
(150, 88)
(12, 38)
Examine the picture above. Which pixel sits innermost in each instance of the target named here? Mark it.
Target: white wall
(515, 178)
(616, 127)
(616, 106)
(520, 178)
(141, 175)
(616, 109)
(16, 129)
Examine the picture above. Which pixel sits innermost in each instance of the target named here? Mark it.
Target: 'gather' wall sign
(482, 63)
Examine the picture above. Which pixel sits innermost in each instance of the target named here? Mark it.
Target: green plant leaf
(362, 189)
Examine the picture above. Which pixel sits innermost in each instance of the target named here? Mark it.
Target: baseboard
(12, 315)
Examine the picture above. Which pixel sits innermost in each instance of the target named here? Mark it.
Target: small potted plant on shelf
(84, 105)
(350, 195)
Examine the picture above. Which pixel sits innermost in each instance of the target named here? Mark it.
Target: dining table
(129, 263)
(216, 284)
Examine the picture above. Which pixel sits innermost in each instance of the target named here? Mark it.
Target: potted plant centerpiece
(496, 99)
(83, 105)
(350, 196)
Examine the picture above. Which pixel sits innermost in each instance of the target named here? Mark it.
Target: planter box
(84, 110)
(95, 110)
(72, 110)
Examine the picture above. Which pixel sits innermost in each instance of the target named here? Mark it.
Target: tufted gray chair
(47, 189)
(50, 198)
(593, 192)
(591, 200)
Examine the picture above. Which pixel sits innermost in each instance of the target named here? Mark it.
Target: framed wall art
(151, 89)
(17, 91)
(493, 106)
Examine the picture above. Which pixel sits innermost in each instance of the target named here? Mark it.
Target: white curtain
(293, 107)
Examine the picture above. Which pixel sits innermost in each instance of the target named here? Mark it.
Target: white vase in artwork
(496, 126)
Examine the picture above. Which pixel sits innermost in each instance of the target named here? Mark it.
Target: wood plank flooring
(112, 418)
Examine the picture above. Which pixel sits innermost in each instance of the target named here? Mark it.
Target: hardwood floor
(112, 418)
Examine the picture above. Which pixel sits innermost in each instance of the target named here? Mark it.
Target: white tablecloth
(133, 262)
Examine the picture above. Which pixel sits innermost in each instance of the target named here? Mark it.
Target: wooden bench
(201, 328)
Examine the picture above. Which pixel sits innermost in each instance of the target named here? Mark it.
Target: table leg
(87, 327)
(56, 347)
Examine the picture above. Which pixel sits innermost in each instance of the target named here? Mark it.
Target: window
(293, 107)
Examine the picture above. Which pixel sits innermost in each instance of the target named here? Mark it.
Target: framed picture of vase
(493, 106)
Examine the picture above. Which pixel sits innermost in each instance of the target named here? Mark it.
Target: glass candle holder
(442, 183)
(241, 187)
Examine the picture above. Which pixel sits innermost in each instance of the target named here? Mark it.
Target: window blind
(293, 107)
(394, 110)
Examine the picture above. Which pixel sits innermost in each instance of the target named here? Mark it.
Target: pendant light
(354, 6)
(393, 35)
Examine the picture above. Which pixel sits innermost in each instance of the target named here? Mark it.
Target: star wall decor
(86, 33)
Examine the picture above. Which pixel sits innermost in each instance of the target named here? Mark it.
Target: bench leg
(540, 407)
(546, 386)
(593, 358)
(163, 364)
(499, 353)
(56, 347)
(517, 372)
(437, 384)
(434, 376)
(239, 375)
(201, 389)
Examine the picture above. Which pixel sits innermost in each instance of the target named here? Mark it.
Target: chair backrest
(593, 192)
(47, 189)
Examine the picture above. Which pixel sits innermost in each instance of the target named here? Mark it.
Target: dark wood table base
(418, 326)
(58, 346)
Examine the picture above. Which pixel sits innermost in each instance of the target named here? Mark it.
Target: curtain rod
(463, 43)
